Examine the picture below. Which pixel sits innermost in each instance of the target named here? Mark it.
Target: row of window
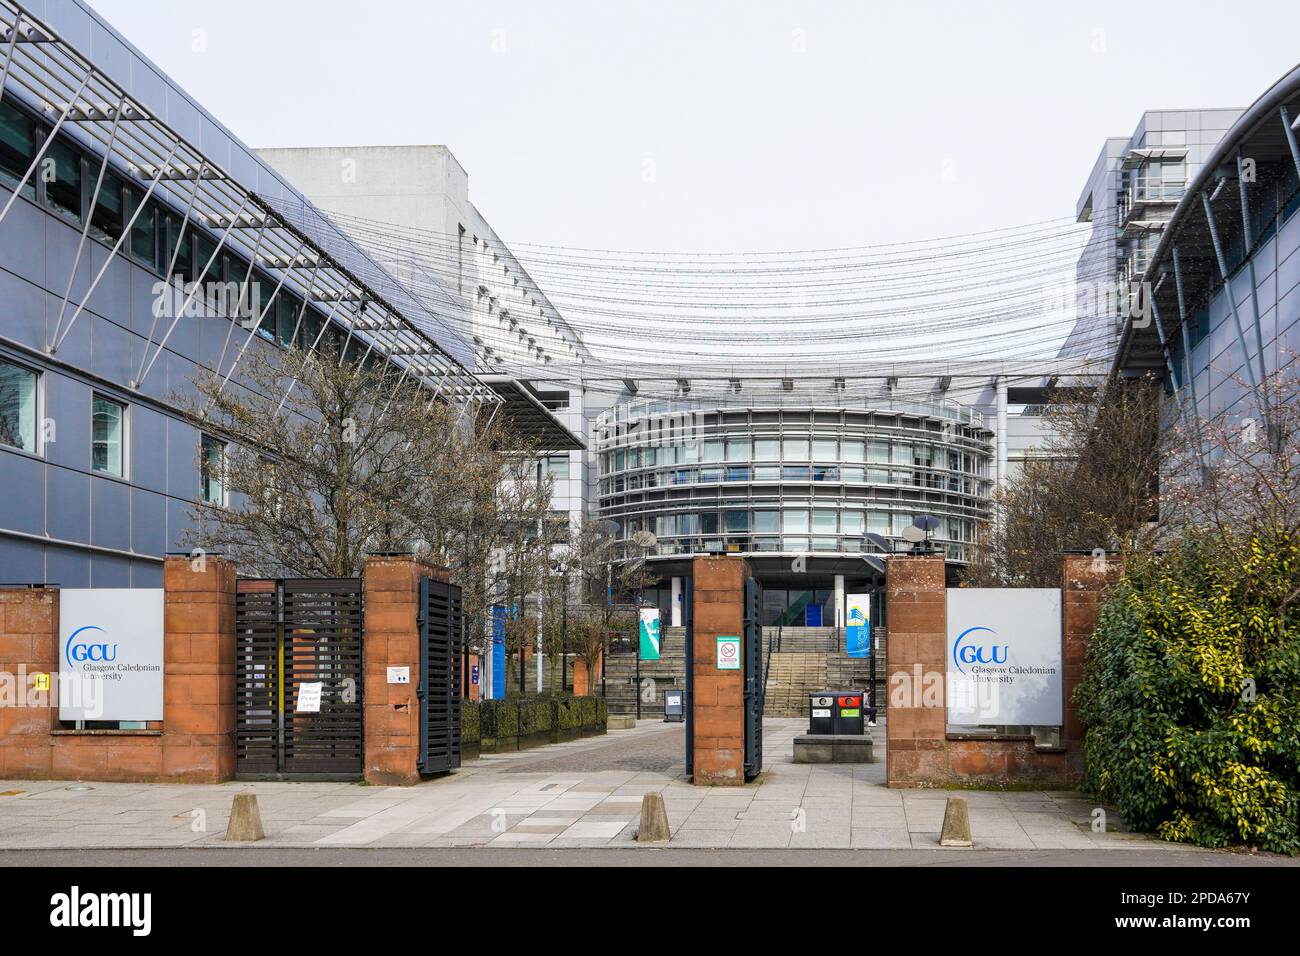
(109, 432)
(786, 545)
(65, 183)
(822, 450)
(800, 521)
(846, 474)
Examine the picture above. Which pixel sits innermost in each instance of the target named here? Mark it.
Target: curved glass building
(1225, 274)
(795, 485)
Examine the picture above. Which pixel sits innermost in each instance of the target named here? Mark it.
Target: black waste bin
(674, 706)
(821, 712)
(848, 713)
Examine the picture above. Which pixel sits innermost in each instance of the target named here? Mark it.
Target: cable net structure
(1007, 295)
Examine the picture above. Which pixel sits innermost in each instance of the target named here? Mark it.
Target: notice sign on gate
(728, 653)
(1004, 657)
(111, 654)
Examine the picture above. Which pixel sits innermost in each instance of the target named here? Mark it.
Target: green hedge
(1191, 696)
(494, 726)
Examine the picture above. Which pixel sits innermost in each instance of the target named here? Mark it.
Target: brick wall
(718, 711)
(919, 751)
(194, 742)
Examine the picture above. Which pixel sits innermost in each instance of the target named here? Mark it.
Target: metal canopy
(1185, 269)
(522, 407)
(291, 240)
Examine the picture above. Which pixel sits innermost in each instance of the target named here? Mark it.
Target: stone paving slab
(562, 795)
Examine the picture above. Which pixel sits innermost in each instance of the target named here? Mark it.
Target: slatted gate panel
(753, 651)
(292, 632)
(440, 676)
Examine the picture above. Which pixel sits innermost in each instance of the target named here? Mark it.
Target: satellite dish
(878, 540)
(874, 563)
(913, 534)
(645, 539)
(926, 522)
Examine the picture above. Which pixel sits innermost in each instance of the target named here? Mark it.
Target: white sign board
(729, 653)
(111, 654)
(1004, 657)
(399, 675)
(309, 697)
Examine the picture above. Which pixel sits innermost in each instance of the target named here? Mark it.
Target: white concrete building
(410, 207)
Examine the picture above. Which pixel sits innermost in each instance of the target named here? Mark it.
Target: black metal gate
(440, 676)
(292, 634)
(754, 689)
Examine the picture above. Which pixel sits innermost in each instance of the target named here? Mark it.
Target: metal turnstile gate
(441, 645)
(754, 689)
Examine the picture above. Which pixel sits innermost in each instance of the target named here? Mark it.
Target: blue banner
(857, 630)
(498, 652)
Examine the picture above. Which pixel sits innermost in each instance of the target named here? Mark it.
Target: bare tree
(1096, 486)
(322, 464)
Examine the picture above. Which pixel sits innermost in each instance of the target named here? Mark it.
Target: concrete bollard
(245, 824)
(654, 820)
(956, 823)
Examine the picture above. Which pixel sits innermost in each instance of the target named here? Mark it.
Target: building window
(796, 449)
(17, 148)
(557, 466)
(63, 188)
(767, 522)
(826, 449)
(767, 449)
(212, 471)
(556, 401)
(737, 449)
(17, 407)
(107, 436)
(794, 522)
(106, 216)
(824, 522)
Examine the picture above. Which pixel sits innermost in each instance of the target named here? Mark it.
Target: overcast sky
(723, 126)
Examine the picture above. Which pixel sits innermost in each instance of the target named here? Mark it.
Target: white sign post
(111, 654)
(1004, 657)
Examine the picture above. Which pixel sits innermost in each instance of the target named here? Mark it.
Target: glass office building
(794, 487)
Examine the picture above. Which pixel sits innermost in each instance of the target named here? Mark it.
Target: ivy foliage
(1191, 695)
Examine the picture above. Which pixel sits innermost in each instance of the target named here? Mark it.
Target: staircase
(667, 673)
(791, 678)
(808, 640)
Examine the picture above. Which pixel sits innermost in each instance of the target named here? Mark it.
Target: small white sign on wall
(399, 675)
(111, 654)
(1004, 657)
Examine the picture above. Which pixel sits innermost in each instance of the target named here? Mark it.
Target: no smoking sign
(728, 653)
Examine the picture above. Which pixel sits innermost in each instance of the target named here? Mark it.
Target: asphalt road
(661, 750)
(630, 857)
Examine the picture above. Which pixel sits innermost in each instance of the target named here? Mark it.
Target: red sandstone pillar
(198, 740)
(916, 716)
(392, 639)
(718, 707)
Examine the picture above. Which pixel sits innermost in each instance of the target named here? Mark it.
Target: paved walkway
(585, 793)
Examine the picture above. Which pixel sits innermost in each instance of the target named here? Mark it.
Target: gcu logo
(83, 651)
(976, 653)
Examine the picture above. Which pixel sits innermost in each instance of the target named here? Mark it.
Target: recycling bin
(847, 720)
(674, 706)
(821, 712)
